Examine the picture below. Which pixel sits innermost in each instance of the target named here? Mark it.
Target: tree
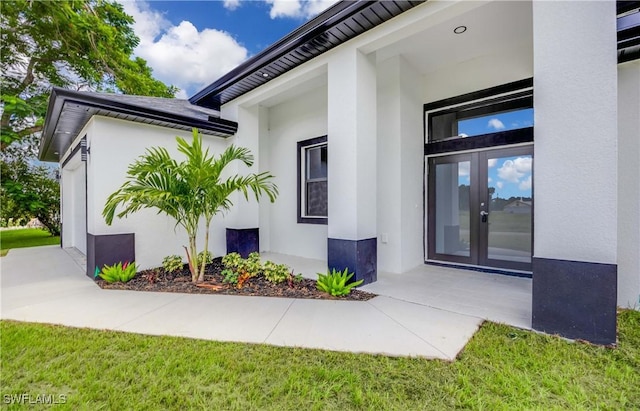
(85, 44)
(187, 191)
(29, 190)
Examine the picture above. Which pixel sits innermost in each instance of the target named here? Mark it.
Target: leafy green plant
(232, 261)
(118, 272)
(335, 282)
(172, 263)
(205, 257)
(275, 273)
(239, 270)
(230, 276)
(191, 191)
(251, 265)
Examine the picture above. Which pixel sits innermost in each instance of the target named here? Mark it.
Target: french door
(480, 208)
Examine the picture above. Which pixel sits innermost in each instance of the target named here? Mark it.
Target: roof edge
(334, 14)
(60, 96)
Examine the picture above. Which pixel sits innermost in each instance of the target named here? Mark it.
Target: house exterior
(391, 127)
(518, 207)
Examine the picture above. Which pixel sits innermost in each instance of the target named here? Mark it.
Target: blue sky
(510, 176)
(192, 43)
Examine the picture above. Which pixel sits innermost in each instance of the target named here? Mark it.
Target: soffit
(336, 25)
(69, 112)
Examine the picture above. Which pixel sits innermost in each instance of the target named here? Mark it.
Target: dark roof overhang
(69, 111)
(336, 25)
(628, 28)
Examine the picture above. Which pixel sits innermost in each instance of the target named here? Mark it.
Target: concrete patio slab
(48, 285)
(447, 332)
(221, 318)
(366, 327)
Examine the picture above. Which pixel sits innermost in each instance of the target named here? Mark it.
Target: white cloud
(314, 7)
(492, 162)
(523, 164)
(285, 8)
(495, 124)
(231, 4)
(298, 8)
(181, 55)
(525, 185)
(464, 168)
(513, 170)
(499, 184)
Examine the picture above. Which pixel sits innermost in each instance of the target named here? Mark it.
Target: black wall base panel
(359, 256)
(575, 299)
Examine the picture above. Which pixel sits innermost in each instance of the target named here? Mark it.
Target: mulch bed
(158, 280)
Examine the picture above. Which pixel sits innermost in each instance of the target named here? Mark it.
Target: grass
(502, 368)
(26, 237)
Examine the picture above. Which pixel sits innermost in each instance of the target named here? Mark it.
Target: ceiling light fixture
(265, 75)
(460, 29)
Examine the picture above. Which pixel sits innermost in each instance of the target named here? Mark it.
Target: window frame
(302, 147)
(508, 97)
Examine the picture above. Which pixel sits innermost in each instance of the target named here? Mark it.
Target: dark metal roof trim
(628, 30)
(69, 111)
(336, 25)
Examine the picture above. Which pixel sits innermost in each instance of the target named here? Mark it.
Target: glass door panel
(452, 223)
(510, 207)
(480, 208)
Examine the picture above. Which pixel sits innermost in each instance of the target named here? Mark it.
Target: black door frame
(478, 231)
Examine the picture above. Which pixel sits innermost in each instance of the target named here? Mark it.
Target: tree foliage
(29, 190)
(187, 191)
(78, 44)
(82, 44)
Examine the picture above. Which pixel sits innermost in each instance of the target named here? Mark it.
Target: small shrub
(205, 257)
(335, 282)
(232, 261)
(230, 276)
(172, 263)
(239, 270)
(251, 265)
(275, 273)
(118, 272)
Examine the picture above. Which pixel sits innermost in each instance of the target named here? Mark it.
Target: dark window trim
(516, 98)
(502, 138)
(302, 144)
(480, 94)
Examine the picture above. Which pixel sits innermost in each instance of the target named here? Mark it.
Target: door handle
(483, 216)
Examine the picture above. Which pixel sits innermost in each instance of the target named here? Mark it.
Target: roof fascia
(333, 15)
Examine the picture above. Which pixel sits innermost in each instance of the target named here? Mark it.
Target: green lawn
(502, 368)
(26, 237)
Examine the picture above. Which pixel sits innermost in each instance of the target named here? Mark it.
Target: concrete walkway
(47, 285)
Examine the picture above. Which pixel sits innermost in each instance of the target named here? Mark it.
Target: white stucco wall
(629, 184)
(575, 101)
(114, 145)
(74, 213)
(297, 119)
(352, 129)
(400, 166)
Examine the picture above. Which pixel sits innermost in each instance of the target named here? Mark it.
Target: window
(312, 181)
(498, 116)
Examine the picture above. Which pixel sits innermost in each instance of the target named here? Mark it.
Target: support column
(575, 102)
(628, 185)
(243, 221)
(352, 165)
(400, 166)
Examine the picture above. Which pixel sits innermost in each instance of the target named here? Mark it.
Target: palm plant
(187, 191)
